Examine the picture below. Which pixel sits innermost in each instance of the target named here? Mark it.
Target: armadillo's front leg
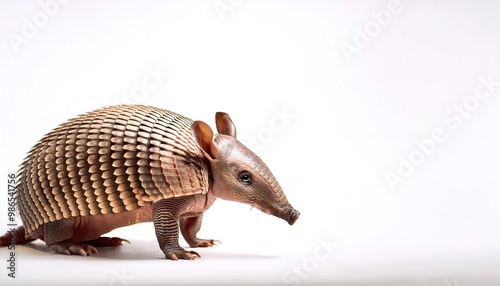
(189, 228)
(166, 214)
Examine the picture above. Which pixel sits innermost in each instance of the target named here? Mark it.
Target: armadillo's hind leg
(107, 241)
(58, 234)
(189, 228)
(14, 236)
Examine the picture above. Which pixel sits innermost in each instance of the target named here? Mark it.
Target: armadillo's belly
(109, 161)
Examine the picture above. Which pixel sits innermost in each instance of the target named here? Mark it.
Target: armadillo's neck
(222, 191)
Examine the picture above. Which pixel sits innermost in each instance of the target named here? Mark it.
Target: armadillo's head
(238, 174)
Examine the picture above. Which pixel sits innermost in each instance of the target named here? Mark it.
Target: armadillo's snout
(293, 215)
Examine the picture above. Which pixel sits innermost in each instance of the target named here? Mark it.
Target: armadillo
(128, 164)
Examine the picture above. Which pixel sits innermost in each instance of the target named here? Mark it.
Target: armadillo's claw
(125, 240)
(204, 242)
(70, 248)
(82, 252)
(209, 242)
(176, 254)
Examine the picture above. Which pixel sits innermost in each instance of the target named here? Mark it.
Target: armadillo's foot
(70, 248)
(179, 253)
(204, 242)
(107, 241)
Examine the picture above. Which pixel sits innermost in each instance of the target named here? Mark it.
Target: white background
(351, 119)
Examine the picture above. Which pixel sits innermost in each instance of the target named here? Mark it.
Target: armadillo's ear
(224, 124)
(205, 138)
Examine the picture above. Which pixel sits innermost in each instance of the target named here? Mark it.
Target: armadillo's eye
(245, 178)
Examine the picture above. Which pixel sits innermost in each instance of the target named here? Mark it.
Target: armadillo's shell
(110, 160)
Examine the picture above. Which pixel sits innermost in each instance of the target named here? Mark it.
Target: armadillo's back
(110, 160)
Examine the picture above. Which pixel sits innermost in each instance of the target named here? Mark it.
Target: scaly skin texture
(123, 165)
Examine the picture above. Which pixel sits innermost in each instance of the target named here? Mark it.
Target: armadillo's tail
(14, 236)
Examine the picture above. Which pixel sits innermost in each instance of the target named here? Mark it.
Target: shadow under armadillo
(143, 250)
(146, 252)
